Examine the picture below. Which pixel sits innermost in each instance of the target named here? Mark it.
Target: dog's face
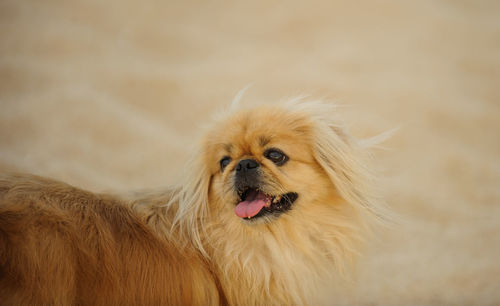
(263, 165)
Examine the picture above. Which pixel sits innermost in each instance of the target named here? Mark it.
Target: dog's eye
(276, 156)
(224, 162)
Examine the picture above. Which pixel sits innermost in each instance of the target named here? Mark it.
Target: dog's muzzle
(247, 174)
(254, 203)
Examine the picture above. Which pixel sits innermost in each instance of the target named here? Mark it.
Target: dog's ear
(191, 198)
(343, 161)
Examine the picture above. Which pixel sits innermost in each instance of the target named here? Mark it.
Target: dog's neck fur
(281, 262)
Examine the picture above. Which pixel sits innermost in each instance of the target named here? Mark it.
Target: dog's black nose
(247, 174)
(247, 165)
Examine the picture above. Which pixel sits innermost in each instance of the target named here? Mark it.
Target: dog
(272, 210)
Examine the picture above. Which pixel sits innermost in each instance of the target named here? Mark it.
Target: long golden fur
(60, 245)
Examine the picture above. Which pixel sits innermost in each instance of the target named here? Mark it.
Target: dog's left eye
(276, 156)
(224, 162)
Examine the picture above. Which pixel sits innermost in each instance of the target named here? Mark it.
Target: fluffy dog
(273, 208)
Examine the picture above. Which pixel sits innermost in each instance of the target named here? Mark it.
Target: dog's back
(60, 246)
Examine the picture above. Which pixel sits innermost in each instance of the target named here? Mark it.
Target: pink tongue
(252, 204)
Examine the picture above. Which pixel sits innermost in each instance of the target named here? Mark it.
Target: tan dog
(274, 207)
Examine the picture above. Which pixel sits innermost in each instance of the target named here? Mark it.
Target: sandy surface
(110, 95)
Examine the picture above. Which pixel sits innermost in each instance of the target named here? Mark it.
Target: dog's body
(292, 178)
(64, 246)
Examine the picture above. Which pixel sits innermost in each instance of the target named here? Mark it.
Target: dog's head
(262, 164)
(269, 163)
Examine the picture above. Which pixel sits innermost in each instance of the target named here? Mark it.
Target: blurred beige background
(110, 95)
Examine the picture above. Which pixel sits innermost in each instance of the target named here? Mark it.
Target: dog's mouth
(254, 203)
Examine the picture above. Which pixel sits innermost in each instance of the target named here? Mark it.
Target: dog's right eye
(224, 162)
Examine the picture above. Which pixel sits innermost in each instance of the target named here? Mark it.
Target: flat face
(262, 164)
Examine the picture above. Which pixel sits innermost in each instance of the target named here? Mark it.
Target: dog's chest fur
(282, 263)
